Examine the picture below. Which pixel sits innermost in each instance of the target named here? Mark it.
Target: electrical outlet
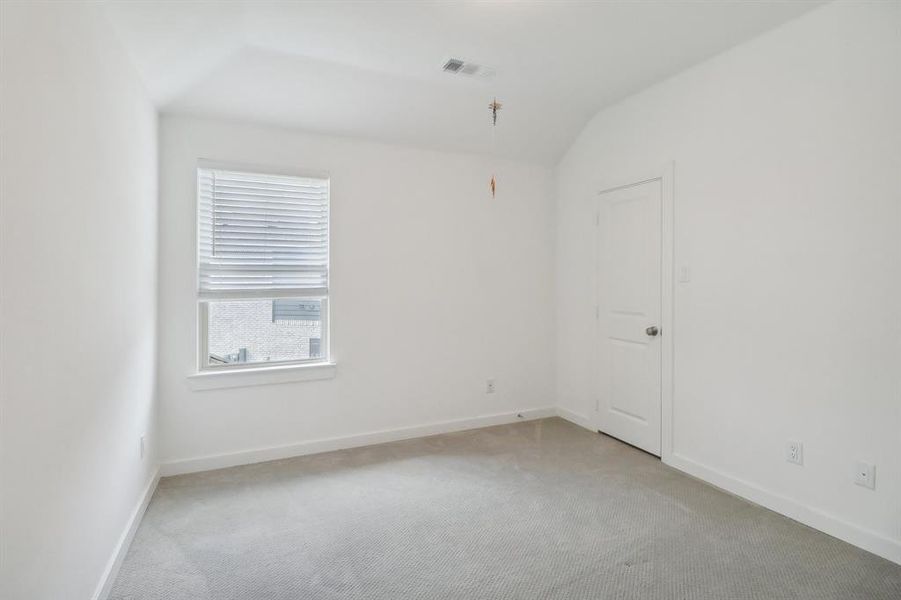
(865, 474)
(143, 435)
(794, 452)
(490, 386)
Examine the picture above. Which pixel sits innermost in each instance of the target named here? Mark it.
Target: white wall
(787, 157)
(434, 288)
(78, 273)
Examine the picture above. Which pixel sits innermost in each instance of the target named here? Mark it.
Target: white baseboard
(574, 417)
(246, 457)
(871, 541)
(115, 562)
(862, 538)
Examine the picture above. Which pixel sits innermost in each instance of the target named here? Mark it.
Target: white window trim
(207, 377)
(263, 375)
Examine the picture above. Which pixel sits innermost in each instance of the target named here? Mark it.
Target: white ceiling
(373, 69)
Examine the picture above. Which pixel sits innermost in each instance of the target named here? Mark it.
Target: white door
(628, 314)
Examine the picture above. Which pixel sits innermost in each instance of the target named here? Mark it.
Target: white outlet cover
(865, 474)
(490, 386)
(794, 452)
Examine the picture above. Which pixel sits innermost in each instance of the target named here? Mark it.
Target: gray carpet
(542, 509)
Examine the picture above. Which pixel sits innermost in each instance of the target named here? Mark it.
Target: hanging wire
(493, 107)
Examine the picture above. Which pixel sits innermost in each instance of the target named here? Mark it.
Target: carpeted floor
(542, 509)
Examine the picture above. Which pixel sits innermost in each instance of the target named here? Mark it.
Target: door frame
(666, 175)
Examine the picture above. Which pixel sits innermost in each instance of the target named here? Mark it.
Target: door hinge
(597, 219)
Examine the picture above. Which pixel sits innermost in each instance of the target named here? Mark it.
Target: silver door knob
(652, 330)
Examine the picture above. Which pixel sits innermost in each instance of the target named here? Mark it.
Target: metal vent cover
(458, 66)
(453, 65)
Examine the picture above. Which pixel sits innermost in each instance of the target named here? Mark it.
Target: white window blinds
(261, 235)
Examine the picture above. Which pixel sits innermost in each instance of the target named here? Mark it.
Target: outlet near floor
(490, 386)
(794, 452)
(865, 474)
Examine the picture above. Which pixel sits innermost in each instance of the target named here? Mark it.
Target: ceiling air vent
(462, 67)
(453, 65)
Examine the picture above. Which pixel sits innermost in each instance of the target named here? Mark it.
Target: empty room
(450, 300)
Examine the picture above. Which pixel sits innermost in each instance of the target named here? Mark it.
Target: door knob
(652, 330)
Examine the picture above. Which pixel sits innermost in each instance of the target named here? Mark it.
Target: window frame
(202, 366)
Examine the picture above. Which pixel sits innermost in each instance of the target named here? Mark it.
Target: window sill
(211, 380)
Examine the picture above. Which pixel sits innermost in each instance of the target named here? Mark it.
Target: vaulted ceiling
(373, 69)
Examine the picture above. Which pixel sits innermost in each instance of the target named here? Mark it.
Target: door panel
(628, 366)
(629, 296)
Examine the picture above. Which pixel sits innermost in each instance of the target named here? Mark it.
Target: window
(262, 268)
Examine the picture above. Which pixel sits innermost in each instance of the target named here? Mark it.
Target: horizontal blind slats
(242, 265)
(279, 246)
(270, 221)
(282, 208)
(261, 232)
(268, 200)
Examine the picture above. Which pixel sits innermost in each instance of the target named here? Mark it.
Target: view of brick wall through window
(247, 331)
